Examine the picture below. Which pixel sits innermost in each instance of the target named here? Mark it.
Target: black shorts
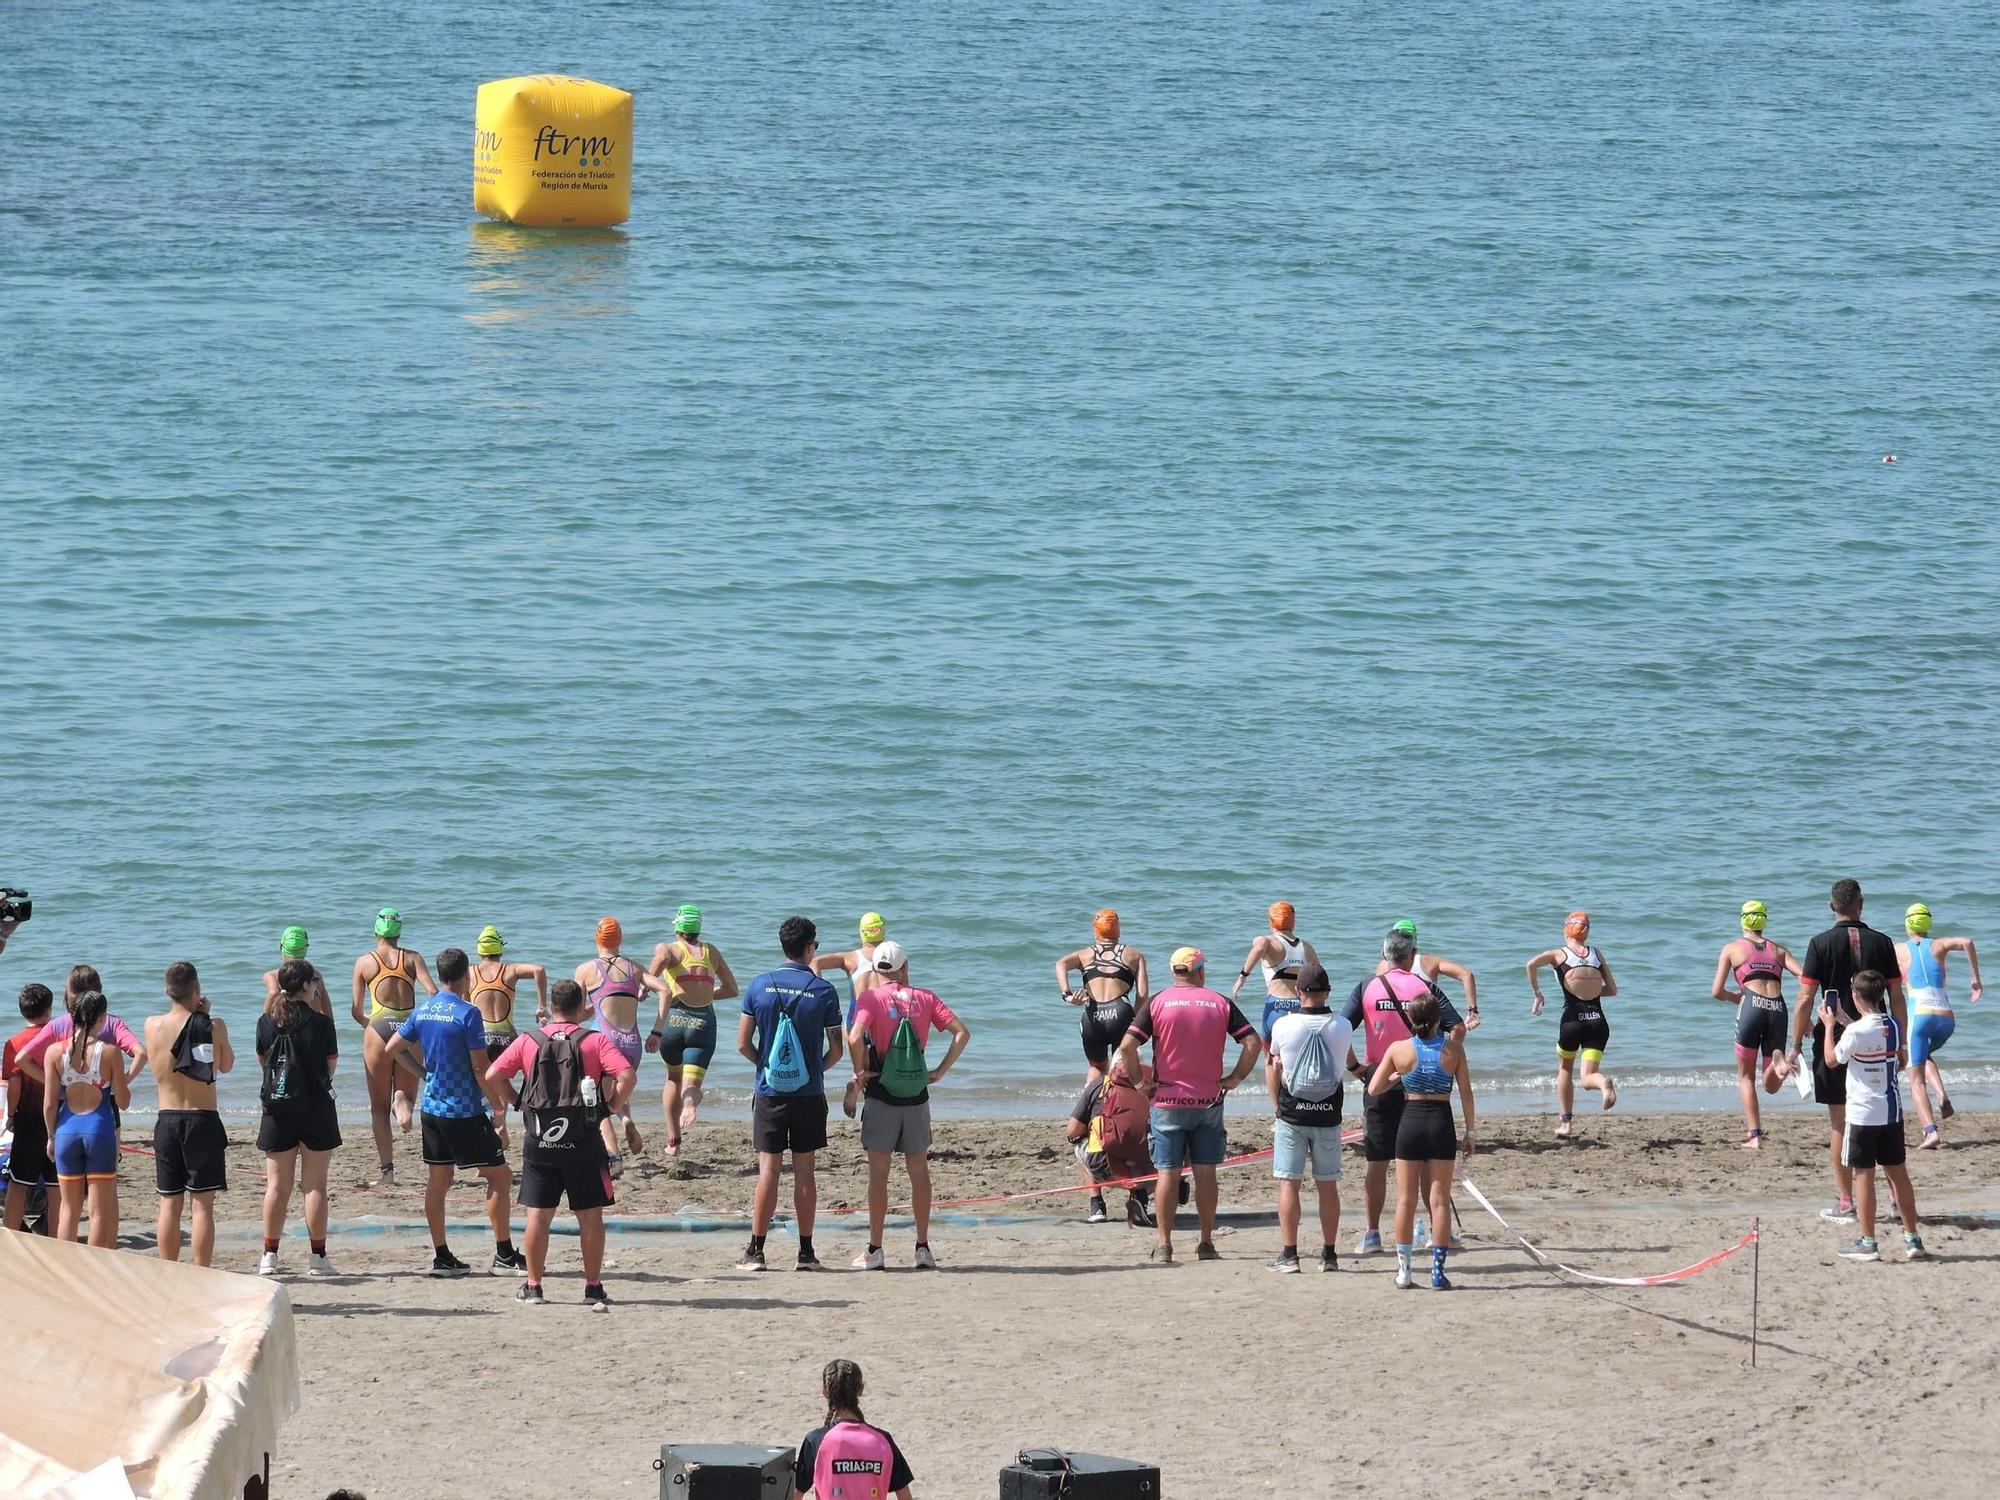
(1829, 1081)
(583, 1180)
(1426, 1132)
(29, 1165)
(1104, 1025)
(1381, 1114)
(1583, 1029)
(189, 1150)
(1761, 1029)
(467, 1142)
(788, 1122)
(314, 1125)
(1866, 1147)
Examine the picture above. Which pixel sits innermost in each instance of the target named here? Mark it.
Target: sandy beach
(1234, 1380)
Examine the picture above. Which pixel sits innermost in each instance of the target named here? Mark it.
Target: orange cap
(1105, 925)
(609, 933)
(1282, 915)
(1576, 924)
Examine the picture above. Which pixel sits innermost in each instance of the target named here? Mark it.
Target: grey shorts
(895, 1127)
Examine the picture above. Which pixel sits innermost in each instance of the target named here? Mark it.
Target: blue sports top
(1429, 1076)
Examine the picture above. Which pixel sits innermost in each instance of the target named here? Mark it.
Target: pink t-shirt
(886, 1006)
(1187, 1026)
(600, 1053)
(1384, 1022)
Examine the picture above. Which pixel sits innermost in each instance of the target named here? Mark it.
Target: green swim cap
(293, 943)
(687, 921)
(1754, 916)
(388, 922)
(1918, 918)
(490, 942)
(1406, 925)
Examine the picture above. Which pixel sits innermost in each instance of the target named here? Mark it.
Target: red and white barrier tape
(1662, 1279)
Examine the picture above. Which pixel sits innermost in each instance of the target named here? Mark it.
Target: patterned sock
(1403, 1257)
(1437, 1260)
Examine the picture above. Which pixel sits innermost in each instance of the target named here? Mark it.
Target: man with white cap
(1188, 1023)
(891, 1024)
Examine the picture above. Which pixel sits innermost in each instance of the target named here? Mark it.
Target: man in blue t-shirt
(789, 1111)
(450, 1035)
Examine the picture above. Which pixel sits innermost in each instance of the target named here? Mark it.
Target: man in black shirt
(1832, 960)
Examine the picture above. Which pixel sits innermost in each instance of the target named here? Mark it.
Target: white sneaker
(925, 1260)
(319, 1265)
(871, 1260)
(1403, 1278)
(267, 1263)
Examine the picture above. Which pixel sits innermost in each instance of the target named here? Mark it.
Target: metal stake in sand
(1756, 1245)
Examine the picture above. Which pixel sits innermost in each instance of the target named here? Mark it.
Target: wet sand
(1044, 1330)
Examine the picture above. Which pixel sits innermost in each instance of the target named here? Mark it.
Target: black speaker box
(724, 1471)
(1049, 1473)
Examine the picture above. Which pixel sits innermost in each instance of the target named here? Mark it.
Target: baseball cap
(1187, 960)
(1312, 980)
(889, 957)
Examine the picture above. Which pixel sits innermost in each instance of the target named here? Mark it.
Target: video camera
(15, 905)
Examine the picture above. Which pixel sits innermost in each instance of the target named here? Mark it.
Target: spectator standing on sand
(297, 1050)
(1312, 1052)
(188, 1048)
(1869, 1049)
(790, 1033)
(1188, 1023)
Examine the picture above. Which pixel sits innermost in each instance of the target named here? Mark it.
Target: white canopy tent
(132, 1377)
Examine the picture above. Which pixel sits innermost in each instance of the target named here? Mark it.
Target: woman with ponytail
(847, 1459)
(85, 1086)
(297, 1048)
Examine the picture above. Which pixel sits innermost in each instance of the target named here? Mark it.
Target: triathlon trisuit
(1583, 1027)
(1761, 1027)
(1104, 1022)
(688, 1039)
(498, 1033)
(384, 1019)
(85, 1144)
(610, 984)
(1931, 1018)
(1284, 971)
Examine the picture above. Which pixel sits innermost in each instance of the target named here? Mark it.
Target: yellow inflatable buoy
(550, 150)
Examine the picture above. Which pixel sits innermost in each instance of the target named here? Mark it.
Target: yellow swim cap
(1754, 916)
(872, 927)
(490, 943)
(1918, 919)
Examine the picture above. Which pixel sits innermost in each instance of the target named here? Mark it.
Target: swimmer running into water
(1282, 953)
(1586, 982)
(492, 982)
(684, 1031)
(1114, 986)
(1431, 966)
(1931, 1020)
(387, 976)
(1759, 967)
(611, 985)
(857, 963)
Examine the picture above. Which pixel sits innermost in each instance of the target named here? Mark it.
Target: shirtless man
(292, 944)
(492, 981)
(857, 963)
(611, 985)
(188, 1048)
(1283, 953)
(386, 977)
(684, 1032)
(1432, 965)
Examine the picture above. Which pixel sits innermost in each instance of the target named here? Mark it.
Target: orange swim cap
(609, 933)
(1576, 924)
(1105, 925)
(1282, 915)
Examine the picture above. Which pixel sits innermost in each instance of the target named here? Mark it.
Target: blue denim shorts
(1291, 1145)
(1188, 1137)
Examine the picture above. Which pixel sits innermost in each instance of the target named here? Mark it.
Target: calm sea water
(1406, 460)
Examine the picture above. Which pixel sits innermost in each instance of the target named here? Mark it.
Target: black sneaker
(1329, 1258)
(595, 1298)
(753, 1260)
(809, 1261)
(1139, 1214)
(529, 1293)
(513, 1263)
(444, 1263)
(1097, 1212)
(1207, 1251)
